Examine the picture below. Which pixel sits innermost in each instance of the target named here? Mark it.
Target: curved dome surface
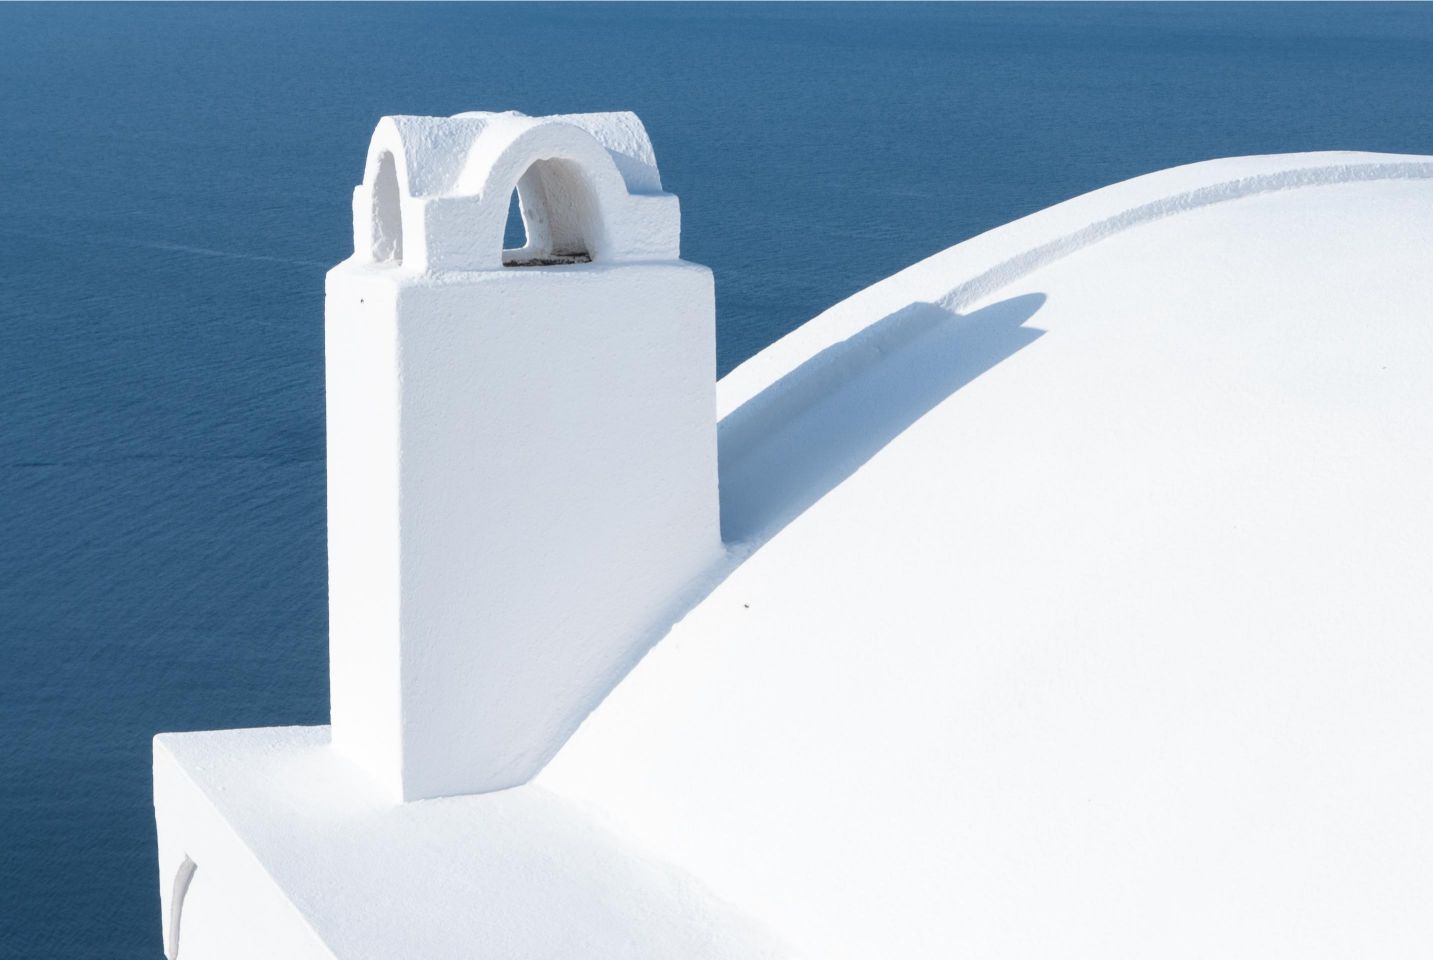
(1079, 602)
(1075, 604)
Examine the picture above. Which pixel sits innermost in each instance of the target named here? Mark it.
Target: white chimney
(522, 483)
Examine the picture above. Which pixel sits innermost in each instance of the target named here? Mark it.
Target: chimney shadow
(796, 441)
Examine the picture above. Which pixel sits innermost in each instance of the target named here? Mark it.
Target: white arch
(453, 178)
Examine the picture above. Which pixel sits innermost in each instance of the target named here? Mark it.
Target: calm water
(176, 180)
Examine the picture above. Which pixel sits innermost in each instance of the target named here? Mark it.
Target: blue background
(177, 179)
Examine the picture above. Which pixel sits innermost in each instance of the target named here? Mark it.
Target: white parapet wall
(272, 846)
(522, 444)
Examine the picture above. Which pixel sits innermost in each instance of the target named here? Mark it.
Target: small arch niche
(387, 212)
(559, 217)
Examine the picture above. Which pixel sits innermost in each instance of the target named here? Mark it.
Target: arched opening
(515, 233)
(387, 212)
(560, 216)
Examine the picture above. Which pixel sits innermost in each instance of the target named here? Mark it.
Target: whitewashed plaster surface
(1111, 635)
(1075, 605)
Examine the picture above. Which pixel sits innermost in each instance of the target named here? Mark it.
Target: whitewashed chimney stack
(522, 482)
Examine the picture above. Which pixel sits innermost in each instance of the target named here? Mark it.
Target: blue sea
(176, 180)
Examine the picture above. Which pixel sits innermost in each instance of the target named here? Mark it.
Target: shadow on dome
(796, 441)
